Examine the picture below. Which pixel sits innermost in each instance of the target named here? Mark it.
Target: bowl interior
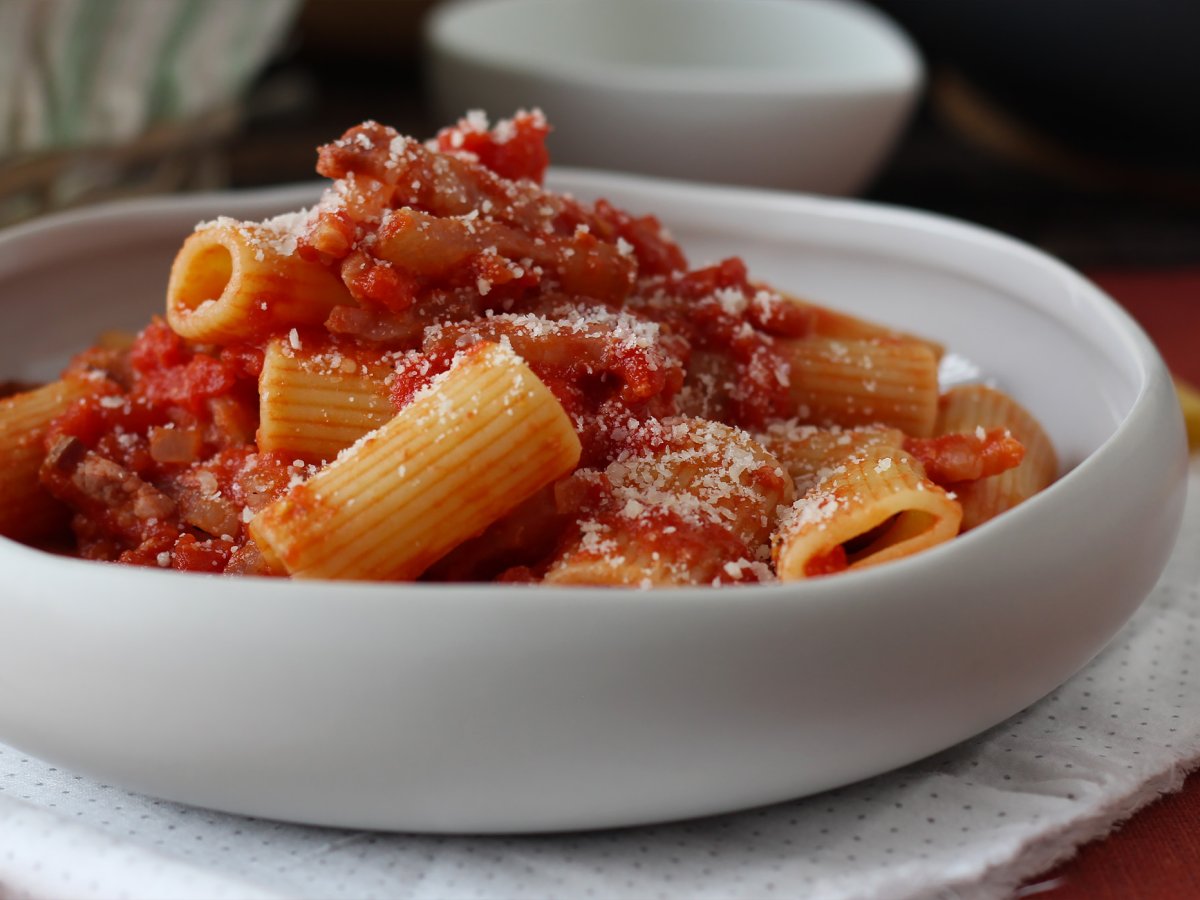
(706, 42)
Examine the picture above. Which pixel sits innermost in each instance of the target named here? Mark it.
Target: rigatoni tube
(974, 406)
(872, 506)
(808, 452)
(235, 281)
(695, 506)
(314, 404)
(855, 382)
(468, 449)
(28, 511)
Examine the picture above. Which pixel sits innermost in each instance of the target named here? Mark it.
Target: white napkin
(975, 820)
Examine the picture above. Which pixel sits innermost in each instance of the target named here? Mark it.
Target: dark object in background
(1118, 79)
(363, 31)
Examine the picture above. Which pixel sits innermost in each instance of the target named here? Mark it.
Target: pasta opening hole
(208, 275)
(899, 528)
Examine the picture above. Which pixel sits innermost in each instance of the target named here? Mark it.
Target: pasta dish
(445, 371)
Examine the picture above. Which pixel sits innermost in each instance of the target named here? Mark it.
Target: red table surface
(1156, 854)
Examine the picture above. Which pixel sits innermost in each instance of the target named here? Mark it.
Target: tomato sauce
(830, 562)
(951, 458)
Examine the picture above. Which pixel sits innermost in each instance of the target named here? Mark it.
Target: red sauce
(519, 153)
(656, 253)
(829, 563)
(717, 310)
(950, 458)
(201, 403)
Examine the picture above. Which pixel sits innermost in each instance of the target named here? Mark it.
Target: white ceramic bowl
(797, 94)
(484, 708)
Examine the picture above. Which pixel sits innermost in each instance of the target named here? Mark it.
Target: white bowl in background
(490, 708)
(795, 94)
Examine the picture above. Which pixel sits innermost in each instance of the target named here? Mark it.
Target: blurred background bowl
(798, 94)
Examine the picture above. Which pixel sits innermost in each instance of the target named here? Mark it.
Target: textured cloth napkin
(973, 821)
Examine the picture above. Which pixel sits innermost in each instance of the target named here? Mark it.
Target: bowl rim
(441, 37)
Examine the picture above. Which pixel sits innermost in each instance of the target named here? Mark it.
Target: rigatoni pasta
(861, 382)
(28, 511)
(474, 444)
(233, 279)
(316, 402)
(970, 407)
(694, 504)
(870, 506)
(445, 371)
